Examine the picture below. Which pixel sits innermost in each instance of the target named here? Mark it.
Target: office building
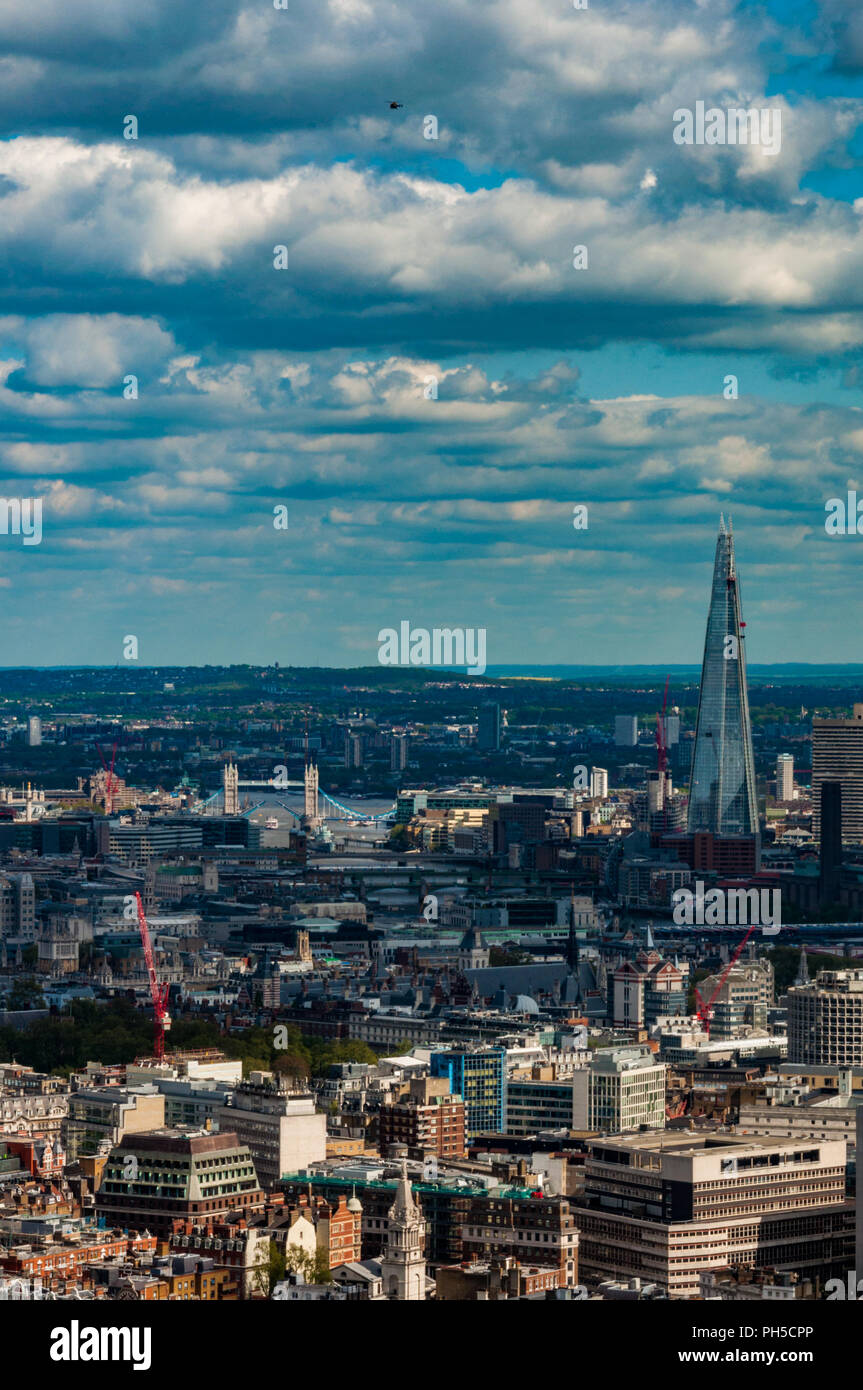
(538, 1104)
(34, 731)
(478, 1076)
(17, 906)
(837, 756)
(354, 750)
(722, 786)
(138, 844)
(825, 1020)
(102, 1117)
(620, 1089)
(785, 777)
(153, 1179)
(488, 728)
(667, 1207)
(599, 783)
(281, 1128)
(626, 730)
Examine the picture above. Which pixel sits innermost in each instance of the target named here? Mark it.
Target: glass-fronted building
(722, 787)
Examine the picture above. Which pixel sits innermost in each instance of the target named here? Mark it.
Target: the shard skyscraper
(722, 787)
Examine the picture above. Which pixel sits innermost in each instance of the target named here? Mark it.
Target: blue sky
(411, 259)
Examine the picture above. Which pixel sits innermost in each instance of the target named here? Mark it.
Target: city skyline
(405, 894)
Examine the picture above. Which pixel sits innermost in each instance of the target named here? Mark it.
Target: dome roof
(354, 1204)
(524, 1004)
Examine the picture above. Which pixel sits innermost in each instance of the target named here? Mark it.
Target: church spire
(403, 1266)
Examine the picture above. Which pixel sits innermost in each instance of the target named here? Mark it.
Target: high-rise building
(660, 789)
(837, 756)
(671, 728)
(17, 906)
(722, 786)
(785, 777)
(488, 728)
(599, 783)
(34, 731)
(626, 730)
(666, 1207)
(231, 787)
(353, 750)
(825, 1020)
(398, 752)
(620, 1089)
(478, 1076)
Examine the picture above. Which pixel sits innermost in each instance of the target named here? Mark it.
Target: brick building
(316, 1224)
(428, 1119)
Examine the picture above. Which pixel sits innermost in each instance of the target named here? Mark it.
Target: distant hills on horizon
(785, 671)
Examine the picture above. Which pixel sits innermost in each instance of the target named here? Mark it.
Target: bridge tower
(231, 788)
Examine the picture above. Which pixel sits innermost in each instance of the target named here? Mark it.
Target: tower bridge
(318, 805)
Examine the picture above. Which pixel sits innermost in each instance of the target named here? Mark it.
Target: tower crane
(158, 993)
(705, 1010)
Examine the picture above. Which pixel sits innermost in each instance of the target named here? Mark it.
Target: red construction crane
(109, 784)
(158, 993)
(705, 1010)
(661, 744)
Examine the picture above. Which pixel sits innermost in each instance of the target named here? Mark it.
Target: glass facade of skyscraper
(722, 787)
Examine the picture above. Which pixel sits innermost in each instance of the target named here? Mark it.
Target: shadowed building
(831, 840)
